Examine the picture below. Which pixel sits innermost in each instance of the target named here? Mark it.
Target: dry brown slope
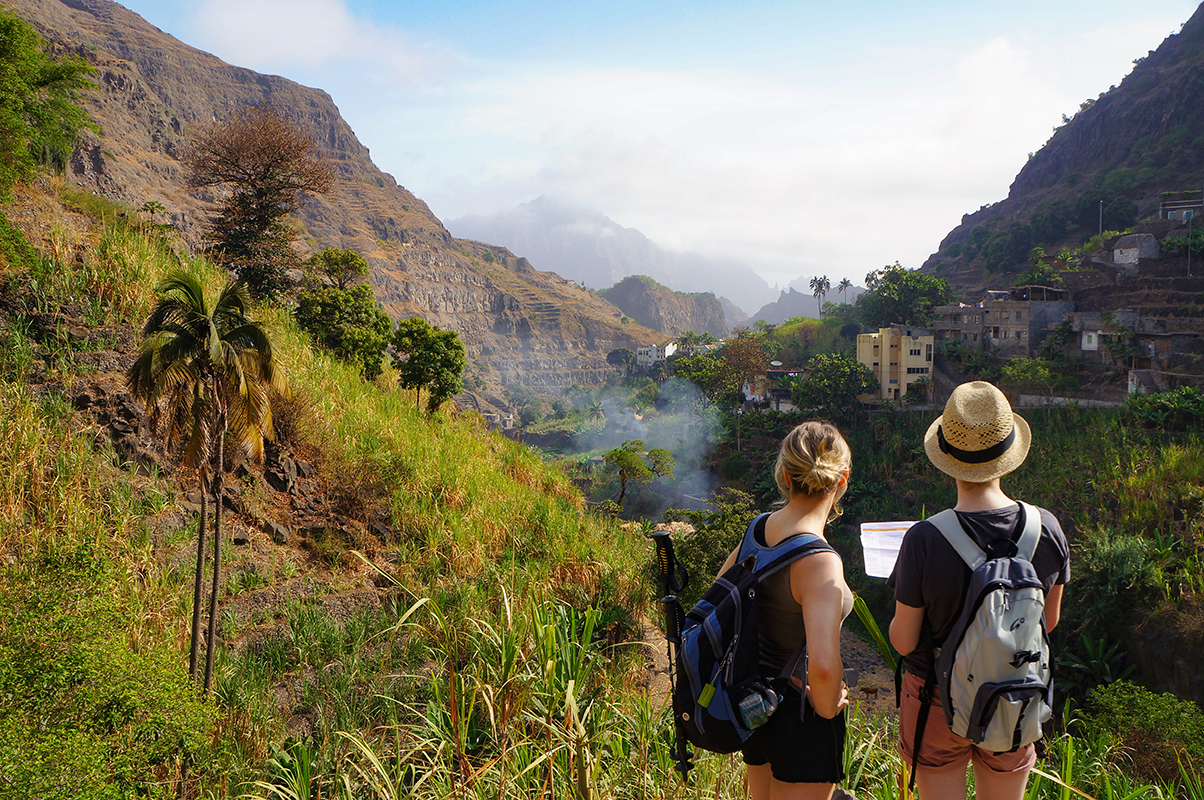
(152, 89)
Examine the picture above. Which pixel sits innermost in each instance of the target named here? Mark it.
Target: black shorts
(799, 749)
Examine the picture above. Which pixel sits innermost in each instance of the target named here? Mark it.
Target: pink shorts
(942, 750)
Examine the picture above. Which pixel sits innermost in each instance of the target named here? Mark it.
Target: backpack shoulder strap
(946, 522)
(748, 545)
(1026, 548)
(788, 551)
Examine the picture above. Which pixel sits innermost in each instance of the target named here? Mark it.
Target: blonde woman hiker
(798, 753)
(976, 441)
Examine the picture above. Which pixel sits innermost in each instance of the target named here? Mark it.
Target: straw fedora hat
(979, 437)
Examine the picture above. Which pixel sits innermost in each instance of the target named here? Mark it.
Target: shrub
(1113, 572)
(1182, 409)
(1154, 727)
(14, 250)
(716, 534)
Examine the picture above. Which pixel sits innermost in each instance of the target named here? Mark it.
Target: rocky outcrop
(661, 308)
(517, 323)
(789, 304)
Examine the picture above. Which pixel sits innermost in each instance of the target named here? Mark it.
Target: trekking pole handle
(668, 571)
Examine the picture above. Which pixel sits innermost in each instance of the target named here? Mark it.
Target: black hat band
(975, 456)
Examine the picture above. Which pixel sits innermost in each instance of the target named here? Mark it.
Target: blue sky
(803, 138)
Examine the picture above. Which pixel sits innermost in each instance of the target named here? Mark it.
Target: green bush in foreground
(1156, 728)
(86, 713)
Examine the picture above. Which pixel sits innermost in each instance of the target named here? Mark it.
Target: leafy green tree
(428, 358)
(1028, 372)
(208, 371)
(342, 267)
(717, 531)
(40, 116)
(690, 339)
(526, 403)
(918, 391)
(596, 415)
(632, 461)
(902, 295)
(269, 165)
(1053, 346)
(348, 323)
(709, 374)
(1040, 274)
(830, 386)
(622, 358)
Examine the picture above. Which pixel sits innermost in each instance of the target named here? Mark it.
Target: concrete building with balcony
(1014, 320)
(899, 356)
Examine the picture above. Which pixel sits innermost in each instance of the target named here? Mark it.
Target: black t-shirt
(929, 573)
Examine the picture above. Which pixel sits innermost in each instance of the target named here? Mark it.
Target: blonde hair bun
(814, 457)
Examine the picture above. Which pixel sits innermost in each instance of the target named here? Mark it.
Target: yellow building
(899, 356)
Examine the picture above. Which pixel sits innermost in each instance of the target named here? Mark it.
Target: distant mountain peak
(582, 244)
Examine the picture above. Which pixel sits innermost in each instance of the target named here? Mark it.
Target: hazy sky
(803, 138)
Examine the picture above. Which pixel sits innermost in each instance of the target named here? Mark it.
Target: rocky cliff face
(670, 312)
(518, 324)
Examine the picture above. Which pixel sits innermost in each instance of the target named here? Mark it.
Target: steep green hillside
(1134, 146)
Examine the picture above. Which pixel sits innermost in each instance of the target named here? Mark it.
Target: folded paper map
(880, 543)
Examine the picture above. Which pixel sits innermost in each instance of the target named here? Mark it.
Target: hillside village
(1129, 308)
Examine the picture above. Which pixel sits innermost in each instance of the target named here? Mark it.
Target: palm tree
(842, 287)
(596, 412)
(208, 371)
(819, 288)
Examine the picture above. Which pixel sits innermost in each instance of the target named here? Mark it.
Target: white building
(647, 356)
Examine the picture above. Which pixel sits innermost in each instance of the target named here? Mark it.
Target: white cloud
(316, 35)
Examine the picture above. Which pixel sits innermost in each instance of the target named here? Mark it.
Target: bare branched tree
(268, 164)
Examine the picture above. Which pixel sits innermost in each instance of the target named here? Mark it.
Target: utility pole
(1101, 224)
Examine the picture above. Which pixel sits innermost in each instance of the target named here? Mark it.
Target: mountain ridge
(1127, 147)
(583, 244)
(151, 89)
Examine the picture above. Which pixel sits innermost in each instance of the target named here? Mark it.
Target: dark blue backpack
(720, 695)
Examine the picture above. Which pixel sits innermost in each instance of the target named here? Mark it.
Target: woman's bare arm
(818, 583)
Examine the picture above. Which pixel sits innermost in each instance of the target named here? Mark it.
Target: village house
(1014, 320)
(1181, 209)
(691, 350)
(647, 356)
(899, 356)
(1124, 336)
(1133, 247)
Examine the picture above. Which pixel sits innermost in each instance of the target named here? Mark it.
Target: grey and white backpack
(994, 669)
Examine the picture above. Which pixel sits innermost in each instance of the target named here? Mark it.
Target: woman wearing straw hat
(977, 441)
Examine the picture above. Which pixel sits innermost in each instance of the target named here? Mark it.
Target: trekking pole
(669, 572)
(674, 618)
(674, 578)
